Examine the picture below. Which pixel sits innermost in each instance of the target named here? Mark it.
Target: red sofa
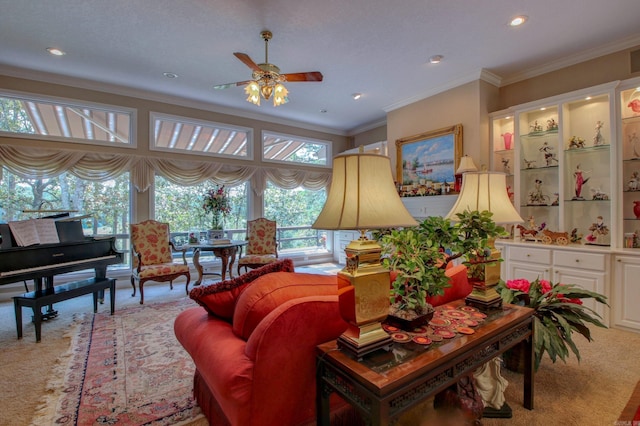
(254, 344)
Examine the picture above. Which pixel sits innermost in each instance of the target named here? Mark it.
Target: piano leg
(101, 272)
(51, 313)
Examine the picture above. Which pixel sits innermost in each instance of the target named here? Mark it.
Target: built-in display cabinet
(573, 168)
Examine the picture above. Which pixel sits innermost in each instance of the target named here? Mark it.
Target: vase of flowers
(558, 312)
(216, 202)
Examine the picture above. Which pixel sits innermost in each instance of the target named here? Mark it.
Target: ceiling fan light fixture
(280, 96)
(253, 92)
(356, 96)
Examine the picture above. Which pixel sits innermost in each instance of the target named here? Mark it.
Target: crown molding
(132, 92)
(481, 74)
(570, 60)
(367, 127)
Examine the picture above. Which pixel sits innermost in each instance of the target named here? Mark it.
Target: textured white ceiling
(379, 48)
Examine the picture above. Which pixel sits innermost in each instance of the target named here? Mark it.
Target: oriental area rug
(631, 414)
(126, 369)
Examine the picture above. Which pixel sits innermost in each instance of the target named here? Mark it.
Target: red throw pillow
(219, 299)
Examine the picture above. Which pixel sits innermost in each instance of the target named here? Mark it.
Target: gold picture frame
(426, 163)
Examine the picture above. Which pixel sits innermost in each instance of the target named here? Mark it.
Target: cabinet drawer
(530, 254)
(581, 260)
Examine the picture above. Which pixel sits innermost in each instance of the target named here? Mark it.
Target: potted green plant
(419, 256)
(558, 313)
(419, 268)
(476, 232)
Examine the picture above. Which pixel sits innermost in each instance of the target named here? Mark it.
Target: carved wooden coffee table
(384, 384)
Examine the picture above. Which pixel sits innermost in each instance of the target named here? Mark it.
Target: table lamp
(466, 165)
(363, 196)
(486, 191)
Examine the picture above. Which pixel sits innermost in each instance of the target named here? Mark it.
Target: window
(195, 136)
(106, 203)
(295, 210)
(291, 149)
(181, 207)
(56, 119)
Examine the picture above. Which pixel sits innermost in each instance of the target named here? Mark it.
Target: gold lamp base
(484, 295)
(363, 289)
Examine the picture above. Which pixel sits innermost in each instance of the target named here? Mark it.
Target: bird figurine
(634, 105)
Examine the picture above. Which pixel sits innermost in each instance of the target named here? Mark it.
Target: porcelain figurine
(634, 105)
(634, 182)
(598, 139)
(634, 141)
(580, 181)
(598, 231)
(576, 142)
(549, 156)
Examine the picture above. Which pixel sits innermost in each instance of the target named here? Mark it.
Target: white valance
(42, 163)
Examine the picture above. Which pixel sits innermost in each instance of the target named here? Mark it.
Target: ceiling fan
(266, 79)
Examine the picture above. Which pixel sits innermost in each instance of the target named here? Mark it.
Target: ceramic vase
(636, 209)
(507, 140)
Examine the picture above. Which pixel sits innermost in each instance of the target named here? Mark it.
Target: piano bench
(37, 299)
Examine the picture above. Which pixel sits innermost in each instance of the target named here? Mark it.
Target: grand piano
(42, 262)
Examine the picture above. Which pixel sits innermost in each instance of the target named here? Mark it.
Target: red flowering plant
(216, 201)
(559, 311)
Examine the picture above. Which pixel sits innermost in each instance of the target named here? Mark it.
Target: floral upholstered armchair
(152, 250)
(261, 247)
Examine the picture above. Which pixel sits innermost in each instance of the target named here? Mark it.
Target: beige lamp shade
(363, 196)
(485, 191)
(466, 165)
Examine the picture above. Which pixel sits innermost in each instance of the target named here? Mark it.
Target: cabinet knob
(619, 260)
(528, 255)
(577, 260)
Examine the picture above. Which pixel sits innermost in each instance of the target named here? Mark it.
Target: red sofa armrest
(460, 287)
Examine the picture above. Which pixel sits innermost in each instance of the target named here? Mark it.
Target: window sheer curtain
(29, 163)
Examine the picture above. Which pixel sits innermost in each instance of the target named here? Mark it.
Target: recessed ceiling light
(356, 96)
(588, 98)
(170, 74)
(55, 51)
(436, 59)
(518, 20)
(543, 108)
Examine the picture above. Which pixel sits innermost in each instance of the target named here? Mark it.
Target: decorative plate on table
(447, 334)
(390, 328)
(456, 314)
(400, 337)
(422, 340)
(465, 330)
(435, 337)
(439, 322)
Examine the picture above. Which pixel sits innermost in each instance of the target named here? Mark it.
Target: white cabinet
(587, 267)
(630, 170)
(423, 207)
(341, 240)
(626, 292)
(558, 154)
(527, 262)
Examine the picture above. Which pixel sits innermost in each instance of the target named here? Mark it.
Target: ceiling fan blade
(304, 76)
(247, 60)
(229, 85)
